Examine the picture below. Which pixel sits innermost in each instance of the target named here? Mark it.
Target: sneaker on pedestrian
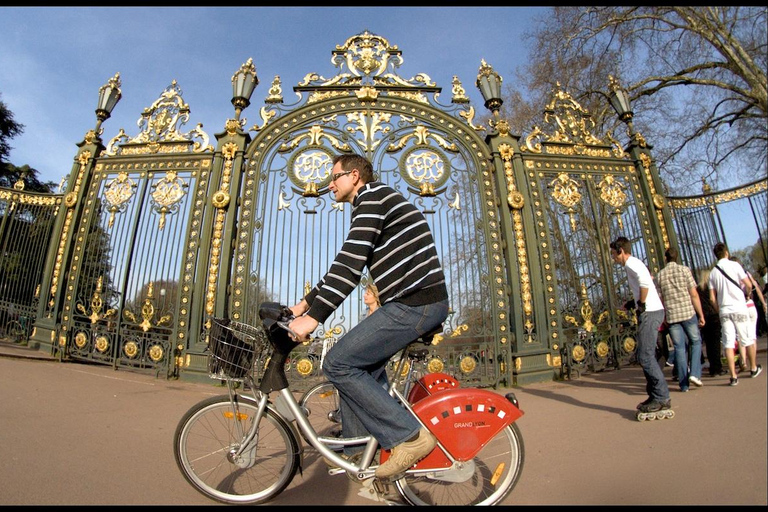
(407, 454)
(695, 381)
(683, 390)
(754, 373)
(669, 363)
(734, 381)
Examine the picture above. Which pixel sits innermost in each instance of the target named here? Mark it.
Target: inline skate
(653, 409)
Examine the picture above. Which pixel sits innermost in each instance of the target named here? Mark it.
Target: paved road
(80, 434)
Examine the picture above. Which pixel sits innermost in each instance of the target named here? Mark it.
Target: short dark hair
(720, 249)
(671, 254)
(362, 164)
(622, 243)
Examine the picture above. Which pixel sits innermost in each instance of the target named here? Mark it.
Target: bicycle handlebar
(284, 324)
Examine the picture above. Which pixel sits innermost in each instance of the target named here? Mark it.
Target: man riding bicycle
(391, 237)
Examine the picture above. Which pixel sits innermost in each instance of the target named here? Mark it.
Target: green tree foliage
(9, 129)
(696, 77)
(753, 257)
(9, 173)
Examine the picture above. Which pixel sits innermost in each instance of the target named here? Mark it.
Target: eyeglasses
(338, 175)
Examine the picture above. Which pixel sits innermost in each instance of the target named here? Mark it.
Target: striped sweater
(391, 237)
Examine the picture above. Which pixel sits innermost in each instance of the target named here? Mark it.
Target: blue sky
(54, 59)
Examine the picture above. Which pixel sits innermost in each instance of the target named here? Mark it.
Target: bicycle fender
(464, 420)
(430, 384)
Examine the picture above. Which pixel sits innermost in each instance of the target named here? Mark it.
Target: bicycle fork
(243, 453)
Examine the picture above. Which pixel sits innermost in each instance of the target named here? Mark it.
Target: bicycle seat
(426, 338)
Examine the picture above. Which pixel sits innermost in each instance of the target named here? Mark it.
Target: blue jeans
(647, 334)
(682, 334)
(356, 366)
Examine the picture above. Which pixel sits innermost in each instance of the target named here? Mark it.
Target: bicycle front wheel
(484, 480)
(207, 438)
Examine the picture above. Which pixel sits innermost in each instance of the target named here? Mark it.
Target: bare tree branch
(696, 76)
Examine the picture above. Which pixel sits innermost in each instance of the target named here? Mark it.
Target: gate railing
(718, 216)
(26, 227)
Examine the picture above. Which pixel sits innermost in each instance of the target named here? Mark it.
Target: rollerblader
(650, 314)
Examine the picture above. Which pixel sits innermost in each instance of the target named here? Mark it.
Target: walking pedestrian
(711, 332)
(650, 313)
(684, 318)
(754, 298)
(725, 290)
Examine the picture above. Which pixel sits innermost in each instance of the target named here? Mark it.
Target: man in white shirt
(729, 286)
(650, 312)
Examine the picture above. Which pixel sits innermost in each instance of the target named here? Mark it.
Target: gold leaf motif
(80, 339)
(156, 353)
(435, 365)
(131, 349)
(566, 190)
(468, 364)
(304, 366)
(102, 344)
(578, 353)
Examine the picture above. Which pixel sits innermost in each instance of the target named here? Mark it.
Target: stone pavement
(85, 434)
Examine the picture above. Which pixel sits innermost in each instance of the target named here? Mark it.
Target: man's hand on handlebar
(302, 326)
(300, 308)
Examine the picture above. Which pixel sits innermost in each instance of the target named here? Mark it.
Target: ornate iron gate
(699, 225)
(128, 295)
(26, 227)
(585, 192)
(158, 233)
(289, 228)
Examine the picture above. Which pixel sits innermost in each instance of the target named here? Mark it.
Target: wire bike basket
(235, 347)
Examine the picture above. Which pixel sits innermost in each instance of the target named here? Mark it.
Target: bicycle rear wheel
(485, 480)
(321, 403)
(204, 445)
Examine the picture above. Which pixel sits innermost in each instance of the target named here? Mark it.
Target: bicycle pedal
(385, 489)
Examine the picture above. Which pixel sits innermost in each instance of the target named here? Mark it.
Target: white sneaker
(695, 380)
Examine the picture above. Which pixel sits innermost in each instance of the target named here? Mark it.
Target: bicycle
(18, 331)
(246, 449)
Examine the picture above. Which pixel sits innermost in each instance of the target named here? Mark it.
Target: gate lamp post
(244, 81)
(489, 83)
(109, 95)
(619, 98)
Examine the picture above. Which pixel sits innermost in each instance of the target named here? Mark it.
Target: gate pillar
(534, 347)
(55, 274)
(48, 331)
(659, 225)
(217, 242)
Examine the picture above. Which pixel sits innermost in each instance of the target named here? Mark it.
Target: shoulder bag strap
(731, 280)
